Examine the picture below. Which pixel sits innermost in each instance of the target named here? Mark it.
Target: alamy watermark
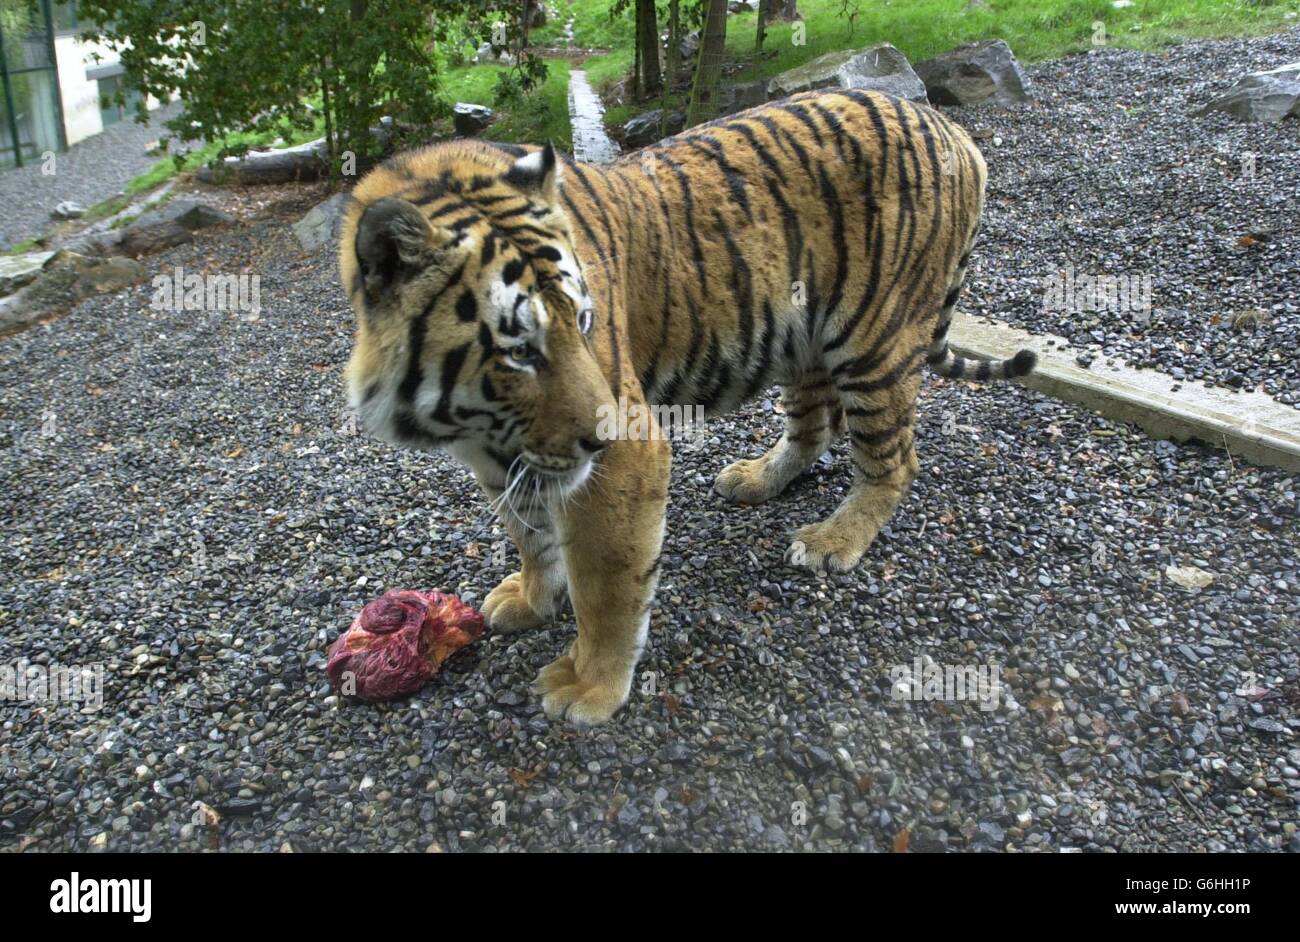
(952, 683)
(634, 421)
(179, 291)
(1076, 293)
(39, 683)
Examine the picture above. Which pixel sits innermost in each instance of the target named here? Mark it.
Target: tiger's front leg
(612, 532)
(532, 596)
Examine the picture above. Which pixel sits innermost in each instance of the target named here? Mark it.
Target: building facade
(57, 88)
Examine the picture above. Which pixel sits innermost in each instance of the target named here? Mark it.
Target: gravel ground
(182, 503)
(1107, 172)
(90, 172)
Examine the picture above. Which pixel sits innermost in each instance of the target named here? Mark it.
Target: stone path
(1249, 425)
(586, 113)
(91, 171)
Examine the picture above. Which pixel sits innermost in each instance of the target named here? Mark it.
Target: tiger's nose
(593, 446)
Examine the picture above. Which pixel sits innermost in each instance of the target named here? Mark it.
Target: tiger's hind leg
(880, 424)
(812, 420)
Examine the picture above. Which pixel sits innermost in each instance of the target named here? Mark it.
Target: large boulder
(154, 231)
(471, 120)
(66, 279)
(689, 47)
(188, 214)
(645, 129)
(68, 210)
(981, 71)
(879, 68)
(19, 270)
(733, 98)
(321, 225)
(1263, 97)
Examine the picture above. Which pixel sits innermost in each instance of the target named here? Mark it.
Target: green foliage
(276, 67)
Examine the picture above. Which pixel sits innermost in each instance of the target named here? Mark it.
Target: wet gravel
(89, 172)
(1107, 173)
(184, 504)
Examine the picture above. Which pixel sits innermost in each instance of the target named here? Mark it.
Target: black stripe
(452, 361)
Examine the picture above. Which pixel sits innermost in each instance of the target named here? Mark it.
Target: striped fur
(505, 296)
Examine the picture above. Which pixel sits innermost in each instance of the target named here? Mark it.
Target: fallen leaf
(472, 550)
(1048, 704)
(1179, 705)
(1189, 577)
(671, 704)
(239, 450)
(522, 778)
(901, 840)
(615, 807)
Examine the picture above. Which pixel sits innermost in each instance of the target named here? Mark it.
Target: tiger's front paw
(506, 607)
(745, 481)
(586, 699)
(823, 546)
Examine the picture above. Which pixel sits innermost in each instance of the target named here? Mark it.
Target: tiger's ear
(538, 172)
(394, 240)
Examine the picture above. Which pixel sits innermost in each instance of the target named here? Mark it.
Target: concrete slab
(1249, 425)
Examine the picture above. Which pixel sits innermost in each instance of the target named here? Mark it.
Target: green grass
(23, 247)
(106, 208)
(148, 207)
(1035, 30)
(541, 116)
(166, 168)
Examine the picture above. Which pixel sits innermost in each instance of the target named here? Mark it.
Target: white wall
(81, 117)
(80, 95)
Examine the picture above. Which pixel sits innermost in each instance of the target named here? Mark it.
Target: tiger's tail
(954, 366)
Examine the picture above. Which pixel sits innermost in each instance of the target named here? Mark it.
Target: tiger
(507, 297)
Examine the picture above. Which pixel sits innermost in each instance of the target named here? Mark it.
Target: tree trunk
(708, 68)
(525, 23)
(762, 25)
(647, 41)
(674, 43)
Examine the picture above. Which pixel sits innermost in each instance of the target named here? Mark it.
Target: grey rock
(19, 270)
(68, 210)
(690, 46)
(485, 54)
(471, 120)
(66, 279)
(975, 72)
(879, 68)
(321, 225)
(1261, 97)
(188, 214)
(647, 128)
(733, 98)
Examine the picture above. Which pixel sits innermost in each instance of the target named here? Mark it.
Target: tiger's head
(474, 322)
